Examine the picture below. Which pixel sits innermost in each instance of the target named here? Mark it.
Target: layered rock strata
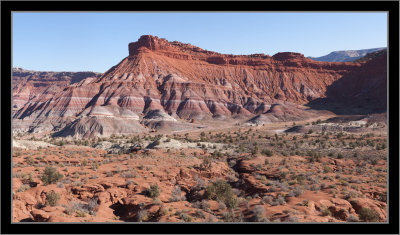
(174, 82)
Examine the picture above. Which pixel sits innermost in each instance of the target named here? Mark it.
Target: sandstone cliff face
(184, 82)
(187, 80)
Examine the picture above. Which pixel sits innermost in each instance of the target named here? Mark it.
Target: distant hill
(372, 55)
(346, 56)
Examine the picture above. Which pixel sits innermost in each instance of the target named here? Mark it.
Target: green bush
(327, 169)
(79, 213)
(23, 188)
(326, 212)
(153, 191)
(267, 152)
(369, 215)
(185, 217)
(222, 191)
(142, 216)
(206, 164)
(52, 198)
(51, 176)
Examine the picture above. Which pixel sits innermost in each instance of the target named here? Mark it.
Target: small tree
(51, 176)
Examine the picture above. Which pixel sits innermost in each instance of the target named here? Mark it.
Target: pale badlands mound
(165, 85)
(286, 113)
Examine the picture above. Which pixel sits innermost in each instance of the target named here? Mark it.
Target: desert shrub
(77, 183)
(212, 218)
(206, 164)
(232, 163)
(52, 198)
(23, 188)
(177, 195)
(315, 187)
(80, 213)
(272, 189)
(204, 204)
(95, 166)
(200, 214)
(339, 156)
(221, 206)
(353, 218)
(325, 212)
(368, 215)
(220, 190)
(231, 201)
(267, 152)
(29, 160)
(51, 176)
(292, 219)
(92, 204)
(129, 174)
(327, 169)
(266, 200)
(374, 161)
(84, 162)
(109, 173)
(281, 200)
(259, 214)
(314, 157)
(185, 217)
(351, 194)
(228, 216)
(153, 191)
(162, 211)
(142, 216)
(200, 182)
(94, 177)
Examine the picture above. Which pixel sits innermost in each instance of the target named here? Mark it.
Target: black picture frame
(392, 7)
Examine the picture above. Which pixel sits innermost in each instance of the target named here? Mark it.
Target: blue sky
(97, 41)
